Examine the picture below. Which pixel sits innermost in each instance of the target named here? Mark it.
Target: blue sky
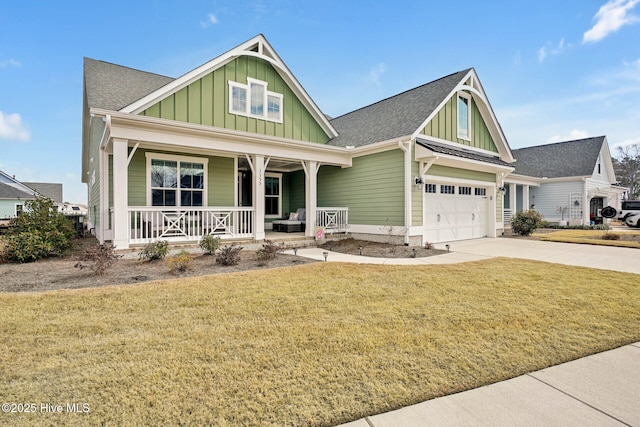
(552, 70)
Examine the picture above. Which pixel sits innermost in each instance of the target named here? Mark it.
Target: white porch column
(120, 195)
(258, 196)
(525, 198)
(311, 195)
(512, 199)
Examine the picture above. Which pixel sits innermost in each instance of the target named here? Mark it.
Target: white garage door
(454, 212)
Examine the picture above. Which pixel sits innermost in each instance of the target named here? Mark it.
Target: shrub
(268, 252)
(180, 262)
(26, 247)
(428, 245)
(40, 231)
(154, 250)
(610, 236)
(210, 244)
(102, 257)
(525, 222)
(229, 255)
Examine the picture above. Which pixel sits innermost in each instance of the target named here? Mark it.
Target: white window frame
(265, 100)
(279, 176)
(179, 159)
(460, 132)
(21, 206)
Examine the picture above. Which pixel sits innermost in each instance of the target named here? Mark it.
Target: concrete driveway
(603, 257)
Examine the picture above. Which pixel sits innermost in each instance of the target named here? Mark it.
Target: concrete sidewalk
(598, 390)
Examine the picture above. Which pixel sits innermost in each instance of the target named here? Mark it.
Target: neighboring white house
(576, 176)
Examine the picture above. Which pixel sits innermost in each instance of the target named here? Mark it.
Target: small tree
(562, 210)
(40, 231)
(525, 222)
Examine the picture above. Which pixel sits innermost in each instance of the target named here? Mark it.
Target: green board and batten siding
(372, 189)
(206, 102)
(445, 126)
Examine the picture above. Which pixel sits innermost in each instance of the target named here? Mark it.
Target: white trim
(265, 100)
(150, 155)
(484, 109)
(467, 97)
(436, 179)
(176, 135)
(273, 175)
(15, 209)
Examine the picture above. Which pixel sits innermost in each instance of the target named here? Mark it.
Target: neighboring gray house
(13, 194)
(577, 175)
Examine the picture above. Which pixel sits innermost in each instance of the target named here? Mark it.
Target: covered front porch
(157, 185)
(151, 223)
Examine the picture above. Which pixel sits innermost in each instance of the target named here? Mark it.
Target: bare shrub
(229, 255)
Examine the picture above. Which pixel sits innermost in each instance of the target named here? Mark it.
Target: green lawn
(318, 344)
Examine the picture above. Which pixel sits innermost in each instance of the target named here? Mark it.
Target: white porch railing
(162, 223)
(507, 216)
(333, 220)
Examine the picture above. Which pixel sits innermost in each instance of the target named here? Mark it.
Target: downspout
(407, 189)
(586, 206)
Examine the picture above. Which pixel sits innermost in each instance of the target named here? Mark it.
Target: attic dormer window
(254, 100)
(464, 116)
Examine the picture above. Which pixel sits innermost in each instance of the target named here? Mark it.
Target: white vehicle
(629, 207)
(629, 214)
(633, 220)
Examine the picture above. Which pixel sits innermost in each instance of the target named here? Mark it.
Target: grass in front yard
(318, 344)
(629, 239)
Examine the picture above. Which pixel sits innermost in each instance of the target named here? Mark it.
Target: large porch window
(176, 180)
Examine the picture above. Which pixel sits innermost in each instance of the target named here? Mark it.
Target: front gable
(203, 96)
(444, 125)
(476, 127)
(603, 169)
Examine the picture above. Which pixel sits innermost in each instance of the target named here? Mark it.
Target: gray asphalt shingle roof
(9, 192)
(393, 117)
(561, 159)
(113, 87)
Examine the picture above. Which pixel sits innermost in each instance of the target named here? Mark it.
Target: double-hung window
(254, 100)
(464, 116)
(176, 181)
(272, 195)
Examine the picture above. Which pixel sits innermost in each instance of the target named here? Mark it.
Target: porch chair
(296, 222)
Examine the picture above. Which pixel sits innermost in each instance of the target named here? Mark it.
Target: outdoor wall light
(502, 189)
(325, 255)
(419, 180)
